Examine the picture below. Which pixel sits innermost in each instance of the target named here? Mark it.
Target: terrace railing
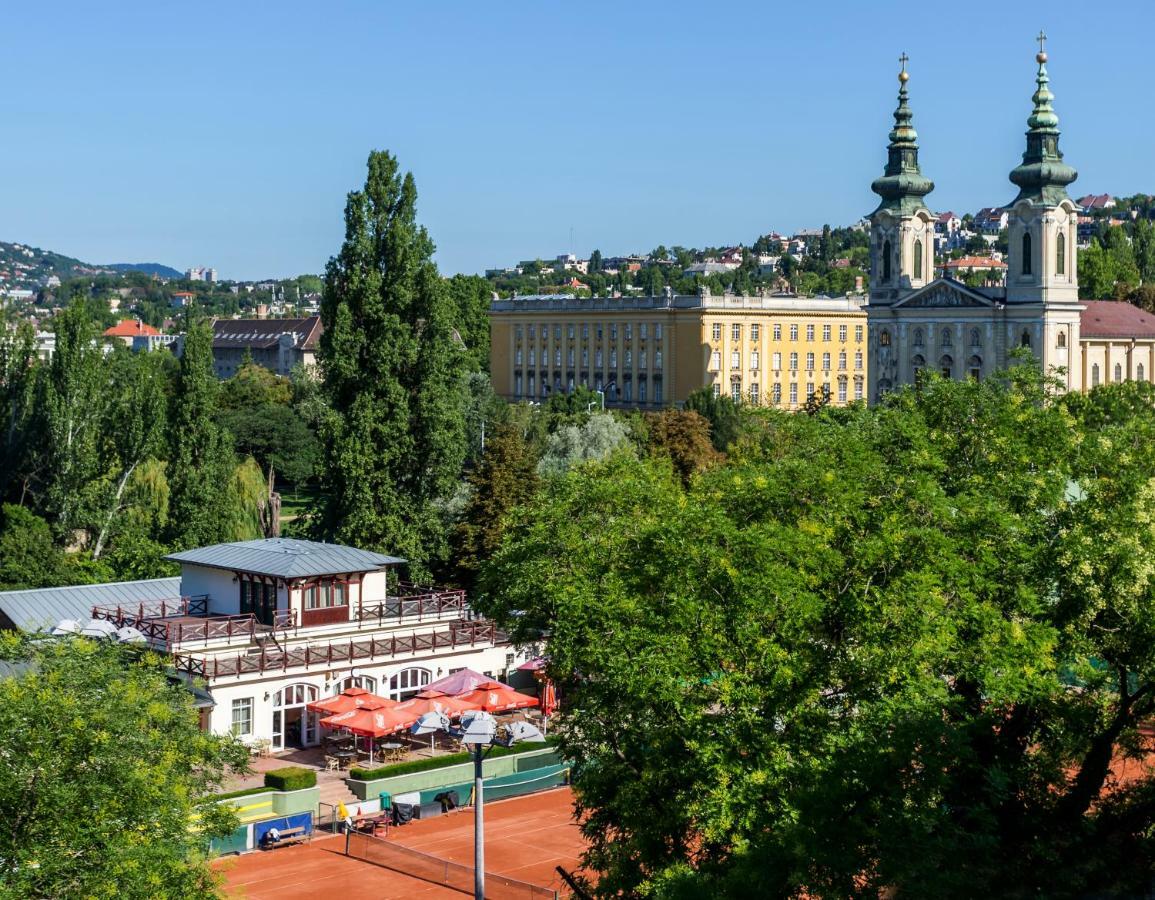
(414, 602)
(462, 633)
(183, 620)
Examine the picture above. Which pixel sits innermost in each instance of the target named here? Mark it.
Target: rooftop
(38, 608)
(286, 558)
(974, 262)
(266, 333)
(1115, 319)
(785, 303)
(129, 328)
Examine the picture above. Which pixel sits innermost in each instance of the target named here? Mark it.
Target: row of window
(946, 339)
(754, 394)
(776, 332)
(776, 361)
(627, 356)
(624, 391)
(1139, 374)
(1026, 266)
(571, 331)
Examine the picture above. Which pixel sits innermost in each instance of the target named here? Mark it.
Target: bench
(287, 837)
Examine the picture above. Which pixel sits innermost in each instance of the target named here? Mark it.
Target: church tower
(901, 228)
(1043, 220)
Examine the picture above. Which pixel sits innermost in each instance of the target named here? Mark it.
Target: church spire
(902, 185)
(1043, 176)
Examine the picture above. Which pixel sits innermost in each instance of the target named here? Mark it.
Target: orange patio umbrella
(348, 700)
(435, 701)
(372, 723)
(493, 696)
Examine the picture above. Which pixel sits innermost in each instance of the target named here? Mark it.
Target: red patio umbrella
(493, 696)
(372, 723)
(436, 701)
(548, 698)
(349, 699)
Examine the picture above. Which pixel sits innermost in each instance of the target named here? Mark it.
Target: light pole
(602, 393)
(478, 730)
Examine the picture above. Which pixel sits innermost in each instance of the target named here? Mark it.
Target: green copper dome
(1043, 176)
(902, 186)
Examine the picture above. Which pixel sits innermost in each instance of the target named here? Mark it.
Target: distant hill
(158, 269)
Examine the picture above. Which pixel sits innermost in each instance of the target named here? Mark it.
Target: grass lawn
(295, 503)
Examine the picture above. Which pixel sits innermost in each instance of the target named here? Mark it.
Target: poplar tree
(393, 369)
(201, 460)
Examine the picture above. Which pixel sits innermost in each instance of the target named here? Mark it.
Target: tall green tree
(105, 775)
(201, 459)
(897, 649)
(18, 373)
(394, 374)
(72, 403)
(470, 296)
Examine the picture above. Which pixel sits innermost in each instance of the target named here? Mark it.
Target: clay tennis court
(525, 838)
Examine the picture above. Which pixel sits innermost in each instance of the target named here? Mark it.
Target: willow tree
(393, 369)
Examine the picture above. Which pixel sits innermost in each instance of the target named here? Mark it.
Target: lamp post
(478, 730)
(602, 393)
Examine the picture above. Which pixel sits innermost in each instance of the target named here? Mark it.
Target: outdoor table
(393, 748)
(345, 757)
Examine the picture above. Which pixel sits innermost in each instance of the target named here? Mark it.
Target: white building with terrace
(271, 625)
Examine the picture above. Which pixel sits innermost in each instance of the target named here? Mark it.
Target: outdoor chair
(332, 764)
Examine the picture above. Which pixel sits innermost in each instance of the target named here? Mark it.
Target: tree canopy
(899, 648)
(104, 776)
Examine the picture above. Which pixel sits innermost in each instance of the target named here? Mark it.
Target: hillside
(158, 269)
(25, 267)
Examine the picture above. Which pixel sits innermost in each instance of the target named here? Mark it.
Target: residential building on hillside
(182, 299)
(127, 330)
(271, 625)
(652, 352)
(1095, 202)
(275, 344)
(201, 273)
(918, 323)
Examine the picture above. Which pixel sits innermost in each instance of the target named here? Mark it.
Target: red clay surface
(525, 838)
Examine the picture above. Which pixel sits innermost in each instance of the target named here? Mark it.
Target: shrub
(437, 762)
(291, 778)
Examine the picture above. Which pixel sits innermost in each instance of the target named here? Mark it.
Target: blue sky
(227, 134)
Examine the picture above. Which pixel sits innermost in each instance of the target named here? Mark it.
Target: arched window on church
(917, 364)
(1061, 340)
(1118, 372)
(918, 258)
(1061, 254)
(884, 338)
(1025, 340)
(918, 337)
(947, 366)
(886, 260)
(1139, 372)
(1095, 375)
(1026, 270)
(976, 338)
(975, 367)
(946, 337)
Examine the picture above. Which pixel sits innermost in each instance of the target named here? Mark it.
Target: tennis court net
(436, 870)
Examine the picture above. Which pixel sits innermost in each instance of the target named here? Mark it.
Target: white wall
(224, 593)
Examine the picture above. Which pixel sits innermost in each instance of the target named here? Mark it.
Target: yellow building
(650, 352)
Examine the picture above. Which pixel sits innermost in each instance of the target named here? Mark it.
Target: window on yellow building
(776, 362)
(809, 362)
(735, 332)
(754, 332)
(777, 332)
(842, 333)
(793, 362)
(809, 332)
(716, 331)
(793, 332)
(825, 332)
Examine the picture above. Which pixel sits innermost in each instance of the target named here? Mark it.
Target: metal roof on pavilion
(42, 608)
(286, 558)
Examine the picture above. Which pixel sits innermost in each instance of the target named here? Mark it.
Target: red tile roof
(1115, 319)
(974, 262)
(129, 328)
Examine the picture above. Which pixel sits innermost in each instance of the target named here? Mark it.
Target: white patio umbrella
(66, 626)
(100, 628)
(430, 723)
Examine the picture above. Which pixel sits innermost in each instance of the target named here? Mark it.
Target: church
(919, 322)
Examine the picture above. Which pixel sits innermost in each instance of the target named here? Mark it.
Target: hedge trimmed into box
(291, 778)
(438, 762)
(244, 793)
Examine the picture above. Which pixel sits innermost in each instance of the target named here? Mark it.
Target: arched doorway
(293, 725)
(365, 682)
(408, 682)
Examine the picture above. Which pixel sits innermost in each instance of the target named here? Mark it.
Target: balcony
(414, 602)
(183, 620)
(459, 635)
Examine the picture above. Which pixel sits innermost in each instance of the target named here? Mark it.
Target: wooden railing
(463, 633)
(414, 602)
(167, 622)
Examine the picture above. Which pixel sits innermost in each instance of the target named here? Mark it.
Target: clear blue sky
(227, 134)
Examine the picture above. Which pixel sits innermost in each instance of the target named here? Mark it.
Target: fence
(439, 871)
(502, 787)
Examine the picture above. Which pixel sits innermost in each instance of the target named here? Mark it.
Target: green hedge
(438, 762)
(291, 778)
(246, 792)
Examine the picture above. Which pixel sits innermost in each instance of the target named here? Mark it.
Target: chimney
(858, 284)
(262, 311)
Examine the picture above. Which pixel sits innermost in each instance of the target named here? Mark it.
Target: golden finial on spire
(904, 75)
(1042, 39)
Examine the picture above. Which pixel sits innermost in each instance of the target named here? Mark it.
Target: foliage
(570, 445)
(684, 437)
(104, 776)
(470, 296)
(394, 375)
(842, 663)
(291, 778)
(438, 762)
(722, 413)
(505, 478)
(28, 556)
(201, 460)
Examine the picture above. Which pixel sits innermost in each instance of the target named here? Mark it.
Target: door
(293, 725)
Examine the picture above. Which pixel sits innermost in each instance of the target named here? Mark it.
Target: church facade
(917, 322)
